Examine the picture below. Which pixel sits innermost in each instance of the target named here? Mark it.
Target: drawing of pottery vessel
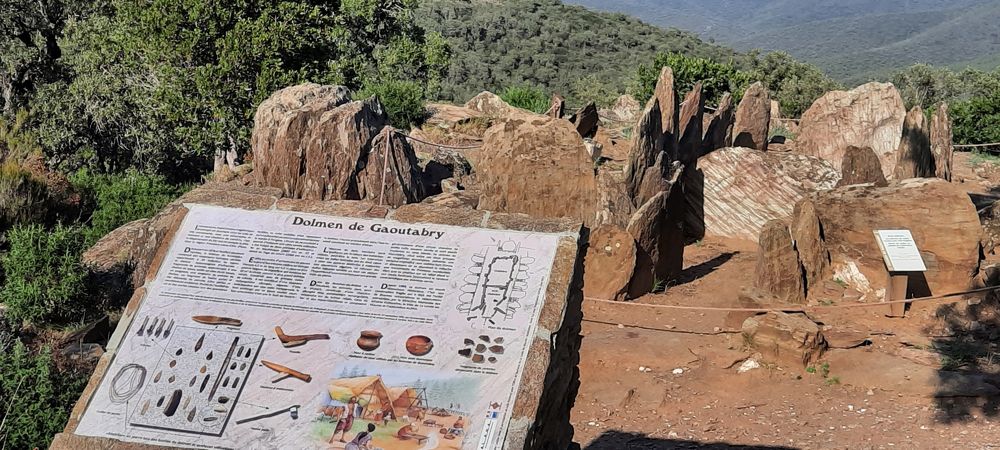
(369, 340)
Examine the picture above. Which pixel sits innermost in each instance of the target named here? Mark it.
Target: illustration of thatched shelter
(408, 401)
(372, 395)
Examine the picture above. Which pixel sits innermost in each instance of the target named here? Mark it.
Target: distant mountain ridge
(852, 40)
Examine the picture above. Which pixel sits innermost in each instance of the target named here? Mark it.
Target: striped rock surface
(736, 190)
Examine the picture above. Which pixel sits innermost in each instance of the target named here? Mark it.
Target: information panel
(272, 329)
(899, 251)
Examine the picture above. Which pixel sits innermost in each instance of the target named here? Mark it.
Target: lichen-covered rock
(753, 118)
(870, 115)
(777, 264)
(941, 146)
(913, 158)
(735, 191)
(860, 166)
(609, 264)
(537, 166)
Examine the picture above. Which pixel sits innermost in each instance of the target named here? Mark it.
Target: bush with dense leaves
(403, 101)
(526, 97)
(44, 279)
(716, 78)
(977, 120)
(35, 395)
(118, 199)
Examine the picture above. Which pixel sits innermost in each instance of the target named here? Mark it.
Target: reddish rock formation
(666, 95)
(719, 126)
(586, 120)
(689, 121)
(753, 118)
(389, 174)
(612, 148)
(807, 234)
(781, 338)
(537, 166)
(609, 264)
(859, 166)
(645, 147)
(491, 105)
(625, 109)
(329, 150)
(940, 216)
(777, 264)
(913, 158)
(735, 191)
(941, 146)
(556, 107)
(870, 115)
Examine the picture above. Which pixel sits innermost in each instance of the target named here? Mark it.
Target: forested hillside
(567, 49)
(852, 40)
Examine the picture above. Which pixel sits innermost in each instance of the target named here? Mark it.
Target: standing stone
(870, 115)
(281, 125)
(390, 175)
(719, 126)
(689, 126)
(941, 146)
(914, 159)
(615, 204)
(586, 120)
(666, 95)
(645, 147)
(334, 147)
(537, 166)
(653, 180)
(609, 264)
(809, 244)
(753, 118)
(860, 166)
(777, 262)
(646, 226)
(557, 107)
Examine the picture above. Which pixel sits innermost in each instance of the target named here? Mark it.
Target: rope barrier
(455, 147)
(796, 308)
(992, 144)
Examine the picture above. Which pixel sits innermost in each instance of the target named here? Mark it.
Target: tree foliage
(716, 78)
(977, 120)
(526, 97)
(163, 85)
(973, 96)
(794, 84)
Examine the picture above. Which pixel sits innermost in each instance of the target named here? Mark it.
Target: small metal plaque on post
(901, 256)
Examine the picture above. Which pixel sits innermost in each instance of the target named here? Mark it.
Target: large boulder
(586, 119)
(753, 118)
(777, 262)
(860, 166)
(913, 158)
(689, 121)
(538, 166)
(940, 216)
(870, 115)
(389, 173)
(941, 146)
(735, 191)
(781, 338)
(490, 105)
(282, 125)
(610, 263)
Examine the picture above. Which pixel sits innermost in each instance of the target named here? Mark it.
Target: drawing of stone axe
(293, 340)
(294, 410)
(285, 372)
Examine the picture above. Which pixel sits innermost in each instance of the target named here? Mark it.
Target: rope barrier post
(895, 289)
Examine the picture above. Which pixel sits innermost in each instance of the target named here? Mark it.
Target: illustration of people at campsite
(397, 410)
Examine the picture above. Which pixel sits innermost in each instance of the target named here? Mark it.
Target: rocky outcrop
(689, 121)
(537, 166)
(612, 148)
(282, 125)
(940, 216)
(645, 147)
(586, 120)
(556, 107)
(615, 205)
(625, 109)
(735, 191)
(610, 263)
(789, 339)
(941, 146)
(389, 173)
(491, 105)
(777, 262)
(870, 115)
(913, 158)
(859, 166)
(666, 95)
(814, 257)
(753, 118)
(719, 126)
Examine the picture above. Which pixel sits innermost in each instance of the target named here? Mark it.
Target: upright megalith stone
(645, 147)
(719, 127)
(666, 96)
(753, 118)
(390, 174)
(689, 121)
(556, 107)
(913, 158)
(586, 120)
(610, 263)
(860, 166)
(870, 115)
(777, 264)
(941, 146)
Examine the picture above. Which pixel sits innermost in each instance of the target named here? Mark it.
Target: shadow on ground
(700, 270)
(620, 440)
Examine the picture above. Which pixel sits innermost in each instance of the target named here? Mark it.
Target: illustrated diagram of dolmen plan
(195, 384)
(496, 283)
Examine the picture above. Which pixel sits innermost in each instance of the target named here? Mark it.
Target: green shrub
(23, 198)
(121, 198)
(716, 78)
(977, 120)
(403, 101)
(44, 278)
(35, 396)
(526, 97)
(16, 141)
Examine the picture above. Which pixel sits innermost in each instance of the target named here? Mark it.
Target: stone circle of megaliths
(644, 177)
